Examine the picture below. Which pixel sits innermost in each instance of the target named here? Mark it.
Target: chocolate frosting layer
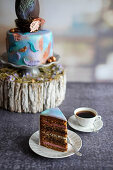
(23, 25)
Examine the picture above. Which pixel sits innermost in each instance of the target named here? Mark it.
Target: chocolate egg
(49, 60)
(27, 9)
(53, 59)
(13, 30)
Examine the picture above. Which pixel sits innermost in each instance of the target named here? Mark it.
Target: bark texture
(32, 97)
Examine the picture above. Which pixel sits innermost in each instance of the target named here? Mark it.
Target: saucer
(75, 125)
(49, 153)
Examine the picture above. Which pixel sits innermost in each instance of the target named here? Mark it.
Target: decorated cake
(31, 78)
(53, 130)
(30, 49)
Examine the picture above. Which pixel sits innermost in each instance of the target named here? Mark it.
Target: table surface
(97, 149)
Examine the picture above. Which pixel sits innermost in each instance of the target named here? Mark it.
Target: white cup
(86, 121)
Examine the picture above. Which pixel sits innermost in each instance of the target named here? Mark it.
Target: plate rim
(87, 130)
(52, 157)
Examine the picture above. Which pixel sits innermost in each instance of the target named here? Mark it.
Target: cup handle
(98, 117)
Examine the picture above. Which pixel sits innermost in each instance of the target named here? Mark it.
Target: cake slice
(53, 130)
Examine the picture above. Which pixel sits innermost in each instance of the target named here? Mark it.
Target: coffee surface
(86, 114)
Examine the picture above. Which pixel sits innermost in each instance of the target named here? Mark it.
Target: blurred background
(83, 35)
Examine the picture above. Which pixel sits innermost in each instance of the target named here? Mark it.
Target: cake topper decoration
(36, 24)
(27, 9)
(27, 12)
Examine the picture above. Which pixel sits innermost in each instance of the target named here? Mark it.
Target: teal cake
(31, 49)
(53, 130)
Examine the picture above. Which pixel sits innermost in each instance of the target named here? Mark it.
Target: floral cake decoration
(46, 74)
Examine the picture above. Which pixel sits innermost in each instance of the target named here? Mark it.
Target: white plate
(49, 153)
(75, 125)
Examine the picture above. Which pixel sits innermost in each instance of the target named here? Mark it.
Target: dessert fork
(74, 148)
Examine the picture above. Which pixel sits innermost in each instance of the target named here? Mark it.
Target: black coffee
(86, 114)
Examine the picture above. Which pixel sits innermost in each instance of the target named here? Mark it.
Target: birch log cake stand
(24, 93)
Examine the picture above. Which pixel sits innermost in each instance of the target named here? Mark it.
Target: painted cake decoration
(18, 56)
(17, 37)
(47, 51)
(31, 63)
(32, 47)
(41, 44)
(23, 49)
(34, 60)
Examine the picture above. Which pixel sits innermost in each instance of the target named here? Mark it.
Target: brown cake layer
(54, 125)
(53, 120)
(57, 131)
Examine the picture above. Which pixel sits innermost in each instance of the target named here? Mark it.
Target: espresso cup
(86, 116)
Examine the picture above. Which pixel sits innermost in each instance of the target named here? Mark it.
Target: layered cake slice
(53, 130)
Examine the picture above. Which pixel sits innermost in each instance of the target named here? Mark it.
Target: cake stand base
(32, 97)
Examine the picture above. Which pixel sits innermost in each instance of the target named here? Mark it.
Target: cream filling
(53, 135)
(51, 144)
